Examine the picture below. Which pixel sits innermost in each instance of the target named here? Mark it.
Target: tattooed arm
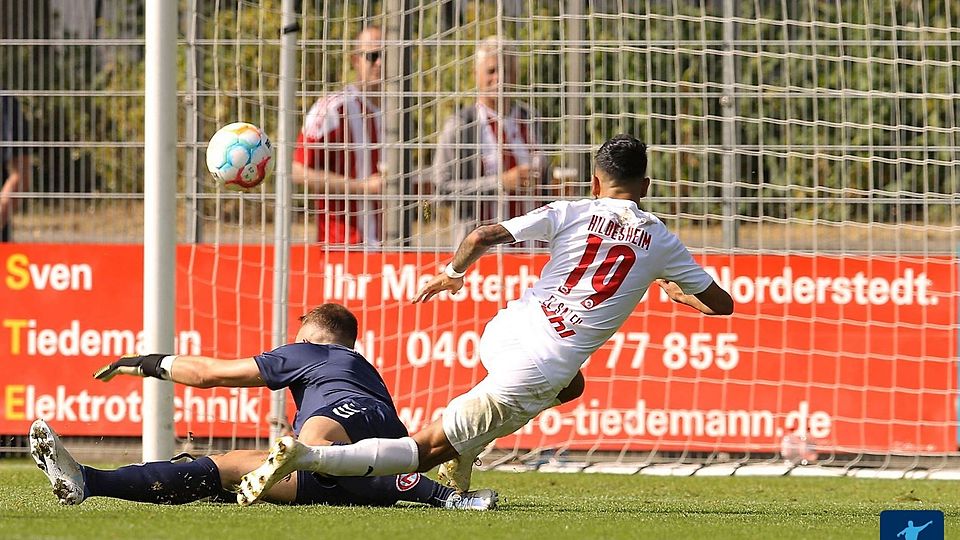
(472, 248)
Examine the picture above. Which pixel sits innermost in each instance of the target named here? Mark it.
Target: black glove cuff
(150, 364)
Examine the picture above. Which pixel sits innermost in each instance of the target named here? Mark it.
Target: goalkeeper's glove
(140, 366)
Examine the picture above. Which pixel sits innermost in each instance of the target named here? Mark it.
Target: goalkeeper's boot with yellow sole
(280, 462)
(481, 499)
(456, 473)
(55, 461)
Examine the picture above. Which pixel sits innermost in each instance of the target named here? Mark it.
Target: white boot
(57, 463)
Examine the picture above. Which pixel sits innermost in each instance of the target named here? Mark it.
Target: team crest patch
(406, 482)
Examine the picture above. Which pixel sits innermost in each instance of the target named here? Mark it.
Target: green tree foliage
(843, 110)
(31, 71)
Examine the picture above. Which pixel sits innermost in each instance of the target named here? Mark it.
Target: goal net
(805, 152)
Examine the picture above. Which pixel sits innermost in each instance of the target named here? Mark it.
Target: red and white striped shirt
(342, 134)
(505, 142)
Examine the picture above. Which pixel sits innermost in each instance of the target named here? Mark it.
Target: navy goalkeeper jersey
(319, 376)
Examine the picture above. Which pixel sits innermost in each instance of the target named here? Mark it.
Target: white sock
(369, 457)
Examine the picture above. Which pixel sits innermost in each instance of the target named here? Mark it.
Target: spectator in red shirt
(338, 150)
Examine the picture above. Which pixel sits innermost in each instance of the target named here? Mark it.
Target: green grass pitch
(534, 505)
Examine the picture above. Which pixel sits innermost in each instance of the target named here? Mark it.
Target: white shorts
(513, 392)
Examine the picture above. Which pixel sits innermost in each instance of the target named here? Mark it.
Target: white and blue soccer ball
(239, 155)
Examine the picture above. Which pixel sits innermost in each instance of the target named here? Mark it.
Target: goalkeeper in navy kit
(340, 399)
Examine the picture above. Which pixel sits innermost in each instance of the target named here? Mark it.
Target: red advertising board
(857, 352)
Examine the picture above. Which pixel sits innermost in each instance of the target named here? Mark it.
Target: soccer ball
(238, 155)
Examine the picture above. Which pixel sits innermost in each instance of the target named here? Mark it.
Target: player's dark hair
(335, 319)
(623, 158)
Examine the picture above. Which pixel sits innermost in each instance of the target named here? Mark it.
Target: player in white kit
(604, 254)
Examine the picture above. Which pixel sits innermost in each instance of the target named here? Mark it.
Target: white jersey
(604, 254)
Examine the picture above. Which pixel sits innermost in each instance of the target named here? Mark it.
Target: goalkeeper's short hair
(335, 319)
